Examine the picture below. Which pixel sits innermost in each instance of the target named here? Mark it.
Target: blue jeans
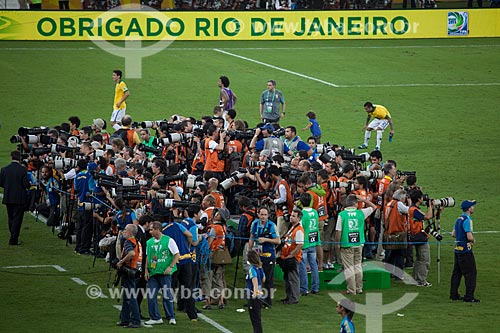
(155, 283)
(130, 308)
(309, 256)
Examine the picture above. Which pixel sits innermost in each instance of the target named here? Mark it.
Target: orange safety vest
(290, 243)
(219, 243)
(416, 226)
(289, 199)
(319, 204)
(383, 184)
(137, 259)
(213, 163)
(219, 199)
(395, 221)
(364, 195)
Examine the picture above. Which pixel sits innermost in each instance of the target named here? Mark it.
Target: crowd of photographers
(91, 185)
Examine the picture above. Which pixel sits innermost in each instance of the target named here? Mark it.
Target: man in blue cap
(464, 264)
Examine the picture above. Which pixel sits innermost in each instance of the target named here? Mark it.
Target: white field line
(419, 85)
(222, 50)
(200, 315)
(79, 281)
(277, 68)
(357, 85)
(56, 267)
(256, 48)
(214, 323)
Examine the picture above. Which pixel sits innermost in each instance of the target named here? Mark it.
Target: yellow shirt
(120, 90)
(380, 112)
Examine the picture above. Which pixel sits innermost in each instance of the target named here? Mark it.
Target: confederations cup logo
(458, 23)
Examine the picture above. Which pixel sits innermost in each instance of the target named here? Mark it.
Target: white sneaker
(154, 322)
(172, 322)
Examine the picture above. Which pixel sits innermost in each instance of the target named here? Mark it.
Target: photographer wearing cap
(464, 263)
(269, 141)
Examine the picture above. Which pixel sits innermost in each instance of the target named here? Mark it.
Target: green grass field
(442, 94)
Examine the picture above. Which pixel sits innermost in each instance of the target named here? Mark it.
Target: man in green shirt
(349, 240)
(162, 256)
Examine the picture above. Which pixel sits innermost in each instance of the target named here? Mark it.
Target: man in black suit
(142, 237)
(15, 182)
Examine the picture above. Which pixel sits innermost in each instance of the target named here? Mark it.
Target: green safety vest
(353, 227)
(159, 256)
(310, 223)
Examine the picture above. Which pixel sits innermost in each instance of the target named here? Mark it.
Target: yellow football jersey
(120, 90)
(380, 112)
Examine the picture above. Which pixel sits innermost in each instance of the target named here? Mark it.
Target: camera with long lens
(343, 151)
(256, 164)
(155, 151)
(97, 153)
(157, 195)
(363, 157)
(133, 196)
(89, 205)
(118, 190)
(433, 232)
(151, 123)
(15, 139)
(47, 140)
(193, 181)
(167, 179)
(233, 178)
(279, 132)
(63, 148)
(286, 213)
(442, 202)
(375, 174)
(240, 135)
(175, 137)
(349, 186)
(322, 148)
(64, 163)
(39, 151)
(260, 194)
(24, 131)
(171, 203)
(104, 177)
(406, 173)
(327, 157)
(146, 164)
(31, 139)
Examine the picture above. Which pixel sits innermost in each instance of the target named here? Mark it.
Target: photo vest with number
(310, 223)
(353, 227)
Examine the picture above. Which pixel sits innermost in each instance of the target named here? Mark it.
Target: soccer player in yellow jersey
(119, 105)
(381, 118)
